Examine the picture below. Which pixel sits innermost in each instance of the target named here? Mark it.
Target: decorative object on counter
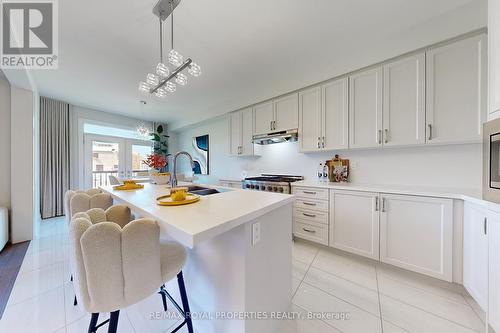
(167, 200)
(160, 143)
(338, 170)
(201, 156)
(160, 84)
(128, 185)
(178, 193)
(157, 162)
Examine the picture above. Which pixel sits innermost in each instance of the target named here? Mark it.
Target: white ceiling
(248, 50)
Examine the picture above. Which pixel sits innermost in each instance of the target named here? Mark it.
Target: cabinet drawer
(311, 204)
(311, 193)
(311, 215)
(314, 232)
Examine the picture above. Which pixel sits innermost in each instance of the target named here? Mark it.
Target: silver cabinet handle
(376, 204)
(379, 137)
(430, 131)
(308, 203)
(323, 142)
(386, 132)
(307, 230)
(271, 125)
(485, 225)
(383, 205)
(319, 140)
(309, 215)
(275, 125)
(309, 192)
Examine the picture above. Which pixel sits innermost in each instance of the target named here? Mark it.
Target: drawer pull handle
(308, 203)
(309, 192)
(309, 215)
(307, 230)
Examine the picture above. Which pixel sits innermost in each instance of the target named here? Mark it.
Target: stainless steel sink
(202, 190)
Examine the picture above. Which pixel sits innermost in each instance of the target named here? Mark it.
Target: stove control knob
(247, 185)
(269, 188)
(275, 189)
(262, 188)
(281, 189)
(251, 186)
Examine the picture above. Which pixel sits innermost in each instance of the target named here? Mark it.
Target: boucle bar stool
(94, 199)
(115, 267)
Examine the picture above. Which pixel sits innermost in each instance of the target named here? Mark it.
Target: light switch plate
(255, 233)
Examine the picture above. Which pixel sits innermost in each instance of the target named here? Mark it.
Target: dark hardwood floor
(11, 259)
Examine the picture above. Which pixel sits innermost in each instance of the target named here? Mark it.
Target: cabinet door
(310, 114)
(263, 117)
(335, 122)
(494, 271)
(494, 56)
(416, 233)
(365, 109)
(234, 133)
(286, 112)
(354, 222)
(475, 254)
(456, 87)
(247, 146)
(404, 102)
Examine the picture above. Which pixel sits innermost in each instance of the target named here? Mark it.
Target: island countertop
(211, 216)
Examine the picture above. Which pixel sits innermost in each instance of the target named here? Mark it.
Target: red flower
(155, 161)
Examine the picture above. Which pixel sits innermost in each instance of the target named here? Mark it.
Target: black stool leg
(93, 323)
(113, 321)
(163, 297)
(185, 302)
(75, 302)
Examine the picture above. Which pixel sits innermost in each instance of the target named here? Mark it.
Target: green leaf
(159, 129)
(156, 137)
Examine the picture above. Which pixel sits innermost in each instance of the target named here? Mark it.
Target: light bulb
(170, 87)
(175, 58)
(194, 69)
(144, 87)
(162, 70)
(181, 79)
(160, 93)
(152, 79)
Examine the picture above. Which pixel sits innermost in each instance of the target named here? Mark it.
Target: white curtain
(54, 156)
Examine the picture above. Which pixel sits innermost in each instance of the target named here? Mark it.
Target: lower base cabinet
(354, 222)
(493, 230)
(416, 233)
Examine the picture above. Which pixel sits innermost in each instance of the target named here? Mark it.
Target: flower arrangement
(155, 161)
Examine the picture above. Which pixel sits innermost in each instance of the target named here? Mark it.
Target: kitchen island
(239, 245)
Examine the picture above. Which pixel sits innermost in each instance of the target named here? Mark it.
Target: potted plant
(157, 162)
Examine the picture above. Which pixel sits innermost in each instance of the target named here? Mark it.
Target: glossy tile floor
(375, 298)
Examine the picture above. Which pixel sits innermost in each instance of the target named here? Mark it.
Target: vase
(159, 178)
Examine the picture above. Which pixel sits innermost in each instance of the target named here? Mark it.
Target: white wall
(22, 123)
(79, 116)
(457, 166)
(4, 142)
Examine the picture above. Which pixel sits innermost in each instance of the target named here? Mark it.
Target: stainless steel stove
(271, 183)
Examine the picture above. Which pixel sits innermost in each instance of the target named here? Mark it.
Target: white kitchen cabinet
(365, 109)
(475, 253)
(404, 101)
(277, 115)
(493, 230)
(263, 117)
(416, 233)
(323, 115)
(456, 91)
(240, 133)
(286, 112)
(335, 114)
(494, 57)
(310, 119)
(354, 222)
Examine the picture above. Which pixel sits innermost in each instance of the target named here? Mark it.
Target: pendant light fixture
(143, 130)
(165, 79)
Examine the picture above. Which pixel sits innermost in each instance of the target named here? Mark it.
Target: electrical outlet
(255, 233)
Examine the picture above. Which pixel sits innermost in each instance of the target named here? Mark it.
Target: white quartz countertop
(211, 216)
(439, 192)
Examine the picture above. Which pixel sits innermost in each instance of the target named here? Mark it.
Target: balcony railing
(101, 178)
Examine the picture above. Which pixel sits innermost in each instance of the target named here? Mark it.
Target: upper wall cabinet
(323, 117)
(365, 109)
(240, 133)
(494, 57)
(456, 91)
(278, 115)
(404, 102)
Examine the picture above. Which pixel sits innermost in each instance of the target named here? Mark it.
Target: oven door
(491, 160)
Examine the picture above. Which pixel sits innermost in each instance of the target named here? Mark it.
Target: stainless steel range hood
(276, 137)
